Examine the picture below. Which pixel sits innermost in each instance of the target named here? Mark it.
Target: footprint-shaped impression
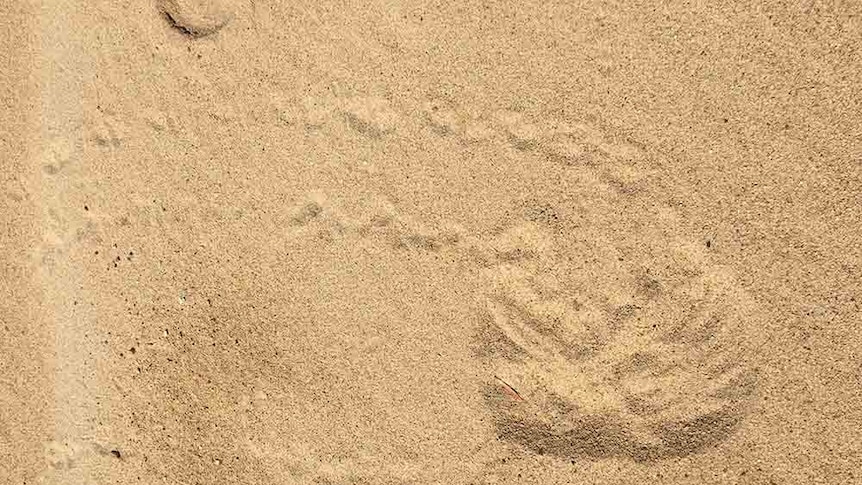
(578, 374)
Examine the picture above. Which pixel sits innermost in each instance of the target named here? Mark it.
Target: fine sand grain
(453, 243)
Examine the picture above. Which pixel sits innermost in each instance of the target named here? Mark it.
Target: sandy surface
(457, 243)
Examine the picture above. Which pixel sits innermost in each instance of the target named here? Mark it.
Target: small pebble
(196, 18)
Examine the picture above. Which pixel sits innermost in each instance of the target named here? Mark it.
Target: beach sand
(430, 243)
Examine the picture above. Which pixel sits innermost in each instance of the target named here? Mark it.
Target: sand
(430, 243)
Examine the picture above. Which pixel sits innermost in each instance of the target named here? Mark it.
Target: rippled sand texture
(466, 243)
